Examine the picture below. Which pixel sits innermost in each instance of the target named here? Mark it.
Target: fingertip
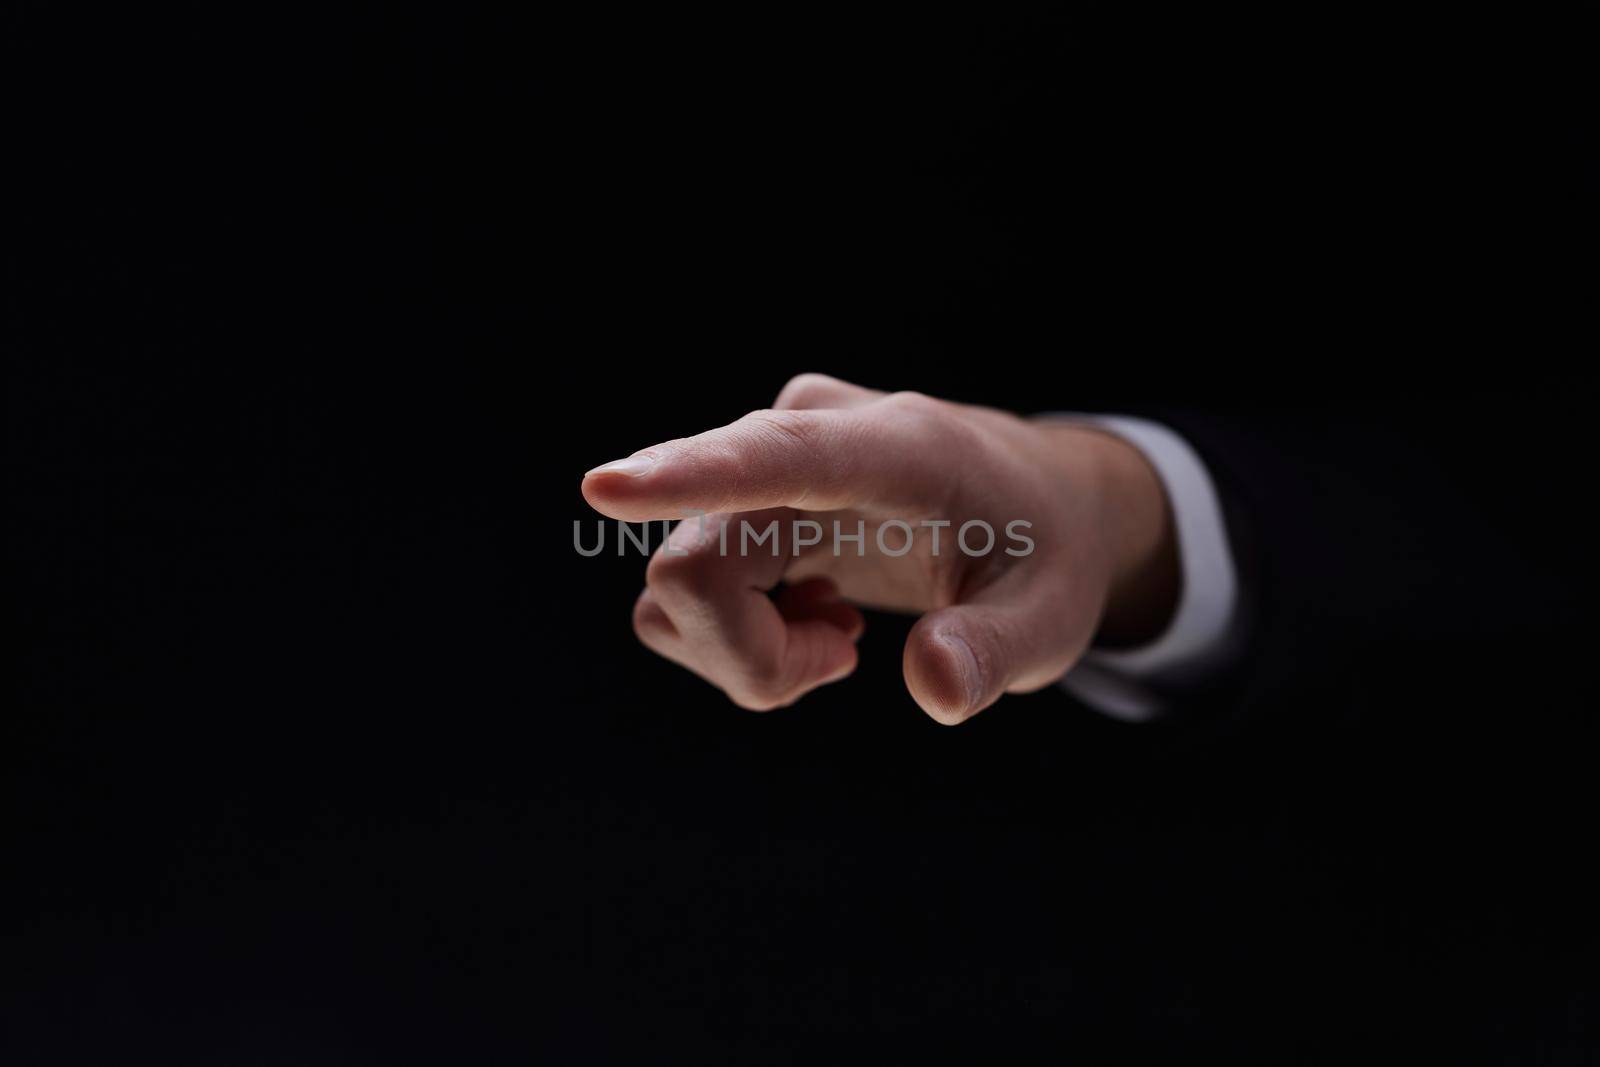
(849, 659)
(595, 491)
(824, 652)
(615, 495)
(849, 619)
(943, 676)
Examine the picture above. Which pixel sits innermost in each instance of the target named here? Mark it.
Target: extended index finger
(817, 460)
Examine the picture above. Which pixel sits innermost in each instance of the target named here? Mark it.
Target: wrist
(1137, 532)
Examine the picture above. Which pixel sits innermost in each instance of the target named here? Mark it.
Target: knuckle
(670, 572)
(759, 684)
(648, 618)
(794, 445)
(926, 423)
(913, 401)
(791, 428)
(751, 702)
(805, 390)
(922, 415)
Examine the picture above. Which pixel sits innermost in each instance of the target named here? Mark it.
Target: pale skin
(1103, 568)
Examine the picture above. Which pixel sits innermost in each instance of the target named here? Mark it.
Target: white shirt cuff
(1133, 684)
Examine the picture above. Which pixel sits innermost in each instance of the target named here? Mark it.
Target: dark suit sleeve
(1391, 553)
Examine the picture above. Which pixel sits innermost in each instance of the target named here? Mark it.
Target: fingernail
(966, 667)
(632, 467)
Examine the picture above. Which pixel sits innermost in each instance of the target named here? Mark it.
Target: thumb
(959, 660)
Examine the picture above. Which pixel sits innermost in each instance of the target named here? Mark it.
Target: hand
(1102, 562)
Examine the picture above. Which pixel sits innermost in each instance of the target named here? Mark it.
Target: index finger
(812, 459)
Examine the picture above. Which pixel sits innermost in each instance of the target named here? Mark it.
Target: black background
(321, 744)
